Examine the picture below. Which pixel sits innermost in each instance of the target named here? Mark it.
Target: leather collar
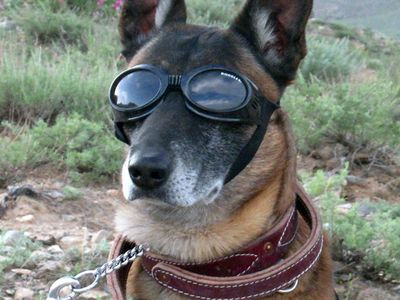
(258, 270)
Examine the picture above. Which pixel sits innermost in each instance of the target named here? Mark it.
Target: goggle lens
(136, 89)
(217, 91)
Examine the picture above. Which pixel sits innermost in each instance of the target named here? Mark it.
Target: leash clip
(74, 284)
(61, 284)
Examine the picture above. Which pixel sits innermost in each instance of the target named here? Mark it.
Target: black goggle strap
(249, 151)
(119, 133)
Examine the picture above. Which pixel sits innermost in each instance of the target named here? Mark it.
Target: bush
(45, 26)
(210, 12)
(38, 84)
(107, 7)
(369, 239)
(329, 60)
(18, 154)
(86, 149)
(71, 193)
(360, 116)
(16, 255)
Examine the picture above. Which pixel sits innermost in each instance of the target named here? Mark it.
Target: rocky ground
(73, 234)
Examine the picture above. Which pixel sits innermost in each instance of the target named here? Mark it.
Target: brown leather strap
(266, 251)
(117, 281)
(248, 286)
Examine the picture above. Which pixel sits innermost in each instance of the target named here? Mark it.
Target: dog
(180, 202)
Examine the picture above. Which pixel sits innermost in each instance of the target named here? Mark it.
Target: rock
(324, 153)
(24, 294)
(55, 195)
(49, 267)
(25, 219)
(25, 272)
(12, 237)
(59, 234)
(37, 257)
(340, 150)
(362, 158)
(113, 193)
(8, 25)
(68, 242)
(46, 239)
(344, 208)
(364, 210)
(95, 295)
(55, 250)
(355, 180)
(333, 163)
(343, 277)
(68, 218)
(3, 259)
(376, 293)
(340, 289)
(8, 250)
(100, 236)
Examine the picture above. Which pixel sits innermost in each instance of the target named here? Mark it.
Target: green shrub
(370, 240)
(329, 60)
(38, 85)
(211, 12)
(71, 193)
(375, 238)
(86, 149)
(327, 190)
(18, 154)
(45, 26)
(17, 255)
(364, 115)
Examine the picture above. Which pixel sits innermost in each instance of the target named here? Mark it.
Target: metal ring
(290, 288)
(62, 283)
(95, 282)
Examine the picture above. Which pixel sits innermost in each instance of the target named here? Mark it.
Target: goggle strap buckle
(174, 80)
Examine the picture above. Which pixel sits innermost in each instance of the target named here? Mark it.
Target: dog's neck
(206, 232)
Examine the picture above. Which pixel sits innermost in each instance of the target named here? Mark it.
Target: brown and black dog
(194, 216)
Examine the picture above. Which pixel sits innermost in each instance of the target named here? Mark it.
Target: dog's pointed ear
(141, 19)
(276, 30)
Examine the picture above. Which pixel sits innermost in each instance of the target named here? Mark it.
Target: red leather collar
(258, 270)
(260, 254)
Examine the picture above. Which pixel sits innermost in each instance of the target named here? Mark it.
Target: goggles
(212, 92)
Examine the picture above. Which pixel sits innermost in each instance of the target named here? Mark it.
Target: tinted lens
(136, 89)
(217, 91)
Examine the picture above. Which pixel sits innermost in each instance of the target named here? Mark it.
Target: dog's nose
(150, 170)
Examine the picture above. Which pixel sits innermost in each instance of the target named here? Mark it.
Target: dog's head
(177, 158)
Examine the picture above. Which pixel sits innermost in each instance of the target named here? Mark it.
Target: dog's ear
(141, 19)
(276, 30)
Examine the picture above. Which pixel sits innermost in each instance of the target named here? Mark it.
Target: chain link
(74, 283)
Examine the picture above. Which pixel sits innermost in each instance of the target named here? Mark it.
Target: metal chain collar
(73, 283)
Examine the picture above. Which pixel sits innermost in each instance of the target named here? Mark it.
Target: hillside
(382, 16)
